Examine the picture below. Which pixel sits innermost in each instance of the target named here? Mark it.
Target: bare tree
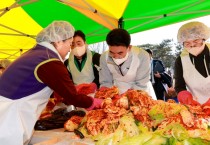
(163, 51)
(99, 47)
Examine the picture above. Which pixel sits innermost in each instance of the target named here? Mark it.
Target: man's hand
(171, 92)
(157, 75)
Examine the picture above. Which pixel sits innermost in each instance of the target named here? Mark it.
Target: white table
(58, 137)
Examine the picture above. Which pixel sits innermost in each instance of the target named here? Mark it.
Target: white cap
(193, 31)
(56, 31)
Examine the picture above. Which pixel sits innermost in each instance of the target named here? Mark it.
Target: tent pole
(15, 5)
(89, 8)
(23, 34)
(121, 23)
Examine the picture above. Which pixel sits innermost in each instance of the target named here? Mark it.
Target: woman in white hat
(192, 67)
(28, 82)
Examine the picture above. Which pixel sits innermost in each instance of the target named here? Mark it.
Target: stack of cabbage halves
(134, 118)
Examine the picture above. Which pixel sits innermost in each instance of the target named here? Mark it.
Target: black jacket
(180, 84)
(165, 78)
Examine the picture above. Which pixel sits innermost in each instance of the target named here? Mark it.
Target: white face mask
(195, 50)
(79, 51)
(120, 60)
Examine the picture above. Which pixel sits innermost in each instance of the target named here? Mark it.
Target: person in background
(171, 92)
(28, 82)
(124, 66)
(82, 63)
(192, 67)
(4, 63)
(161, 81)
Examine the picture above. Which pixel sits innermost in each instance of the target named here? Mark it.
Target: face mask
(79, 51)
(195, 50)
(121, 60)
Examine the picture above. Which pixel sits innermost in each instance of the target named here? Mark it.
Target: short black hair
(118, 37)
(80, 34)
(149, 51)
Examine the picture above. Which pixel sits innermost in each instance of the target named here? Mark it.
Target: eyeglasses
(193, 43)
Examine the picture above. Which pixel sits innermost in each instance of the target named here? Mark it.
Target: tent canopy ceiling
(21, 20)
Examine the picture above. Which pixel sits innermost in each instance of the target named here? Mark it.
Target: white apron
(151, 91)
(127, 81)
(18, 117)
(198, 85)
(86, 75)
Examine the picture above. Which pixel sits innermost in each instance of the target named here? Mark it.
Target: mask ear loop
(205, 61)
(205, 66)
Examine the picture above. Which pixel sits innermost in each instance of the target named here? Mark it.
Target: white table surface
(58, 137)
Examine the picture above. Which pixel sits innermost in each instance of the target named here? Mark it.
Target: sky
(167, 32)
(153, 36)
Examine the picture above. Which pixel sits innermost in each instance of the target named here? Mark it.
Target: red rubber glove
(86, 88)
(206, 107)
(96, 104)
(207, 103)
(185, 97)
